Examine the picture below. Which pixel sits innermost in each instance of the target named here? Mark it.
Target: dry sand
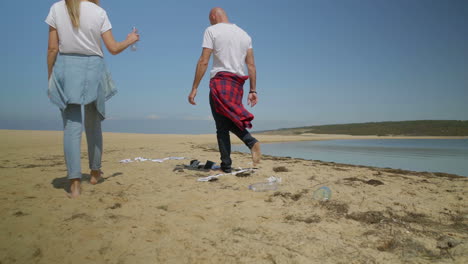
(144, 212)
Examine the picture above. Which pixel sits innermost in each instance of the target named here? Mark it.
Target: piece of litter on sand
(274, 179)
(212, 177)
(196, 165)
(176, 158)
(141, 159)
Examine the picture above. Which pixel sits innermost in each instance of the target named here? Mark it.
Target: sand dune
(144, 212)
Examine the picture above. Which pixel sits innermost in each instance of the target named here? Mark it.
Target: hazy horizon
(160, 126)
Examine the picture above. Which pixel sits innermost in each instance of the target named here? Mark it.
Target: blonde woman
(78, 76)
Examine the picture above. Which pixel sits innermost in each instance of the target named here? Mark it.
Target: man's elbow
(203, 63)
(52, 50)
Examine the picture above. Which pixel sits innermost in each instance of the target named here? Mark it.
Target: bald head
(218, 15)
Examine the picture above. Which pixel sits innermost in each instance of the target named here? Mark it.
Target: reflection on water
(435, 155)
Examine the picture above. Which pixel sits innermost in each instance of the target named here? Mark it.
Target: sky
(318, 62)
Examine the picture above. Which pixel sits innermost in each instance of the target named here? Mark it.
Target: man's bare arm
(202, 65)
(250, 61)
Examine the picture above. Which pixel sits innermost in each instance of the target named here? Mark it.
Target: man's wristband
(253, 92)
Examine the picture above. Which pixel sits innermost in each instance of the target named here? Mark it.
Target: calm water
(440, 155)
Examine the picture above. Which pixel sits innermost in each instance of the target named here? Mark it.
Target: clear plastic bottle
(322, 194)
(263, 186)
(134, 46)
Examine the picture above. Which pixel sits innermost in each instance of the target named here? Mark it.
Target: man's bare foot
(95, 176)
(256, 154)
(75, 188)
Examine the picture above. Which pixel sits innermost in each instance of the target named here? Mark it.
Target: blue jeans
(223, 126)
(72, 127)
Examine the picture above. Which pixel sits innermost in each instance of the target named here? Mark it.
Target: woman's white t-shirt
(86, 39)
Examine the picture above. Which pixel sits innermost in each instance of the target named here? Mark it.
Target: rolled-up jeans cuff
(74, 176)
(252, 144)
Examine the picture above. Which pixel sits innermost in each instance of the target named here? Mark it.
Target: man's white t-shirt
(86, 39)
(229, 44)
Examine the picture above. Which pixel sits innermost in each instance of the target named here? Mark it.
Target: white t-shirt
(229, 44)
(86, 39)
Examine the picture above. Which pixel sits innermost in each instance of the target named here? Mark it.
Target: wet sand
(145, 212)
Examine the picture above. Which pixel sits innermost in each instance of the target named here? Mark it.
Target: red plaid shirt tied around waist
(227, 90)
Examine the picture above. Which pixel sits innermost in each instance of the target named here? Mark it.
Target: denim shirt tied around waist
(81, 79)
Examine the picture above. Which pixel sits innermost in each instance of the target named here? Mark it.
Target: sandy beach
(147, 212)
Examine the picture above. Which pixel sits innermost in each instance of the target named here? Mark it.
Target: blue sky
(318, 62)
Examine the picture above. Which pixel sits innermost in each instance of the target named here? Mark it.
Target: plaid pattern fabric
(227, 90)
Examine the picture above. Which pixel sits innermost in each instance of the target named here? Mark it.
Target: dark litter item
(178, 168)
(196, 165)
(243, 174)
(208, 165)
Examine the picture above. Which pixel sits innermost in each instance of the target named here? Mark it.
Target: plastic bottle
(263, 186)
(134, 46)
(322, 194)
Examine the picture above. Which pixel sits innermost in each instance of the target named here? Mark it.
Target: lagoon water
(433, 155)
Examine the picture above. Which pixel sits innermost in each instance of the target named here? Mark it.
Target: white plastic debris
(210, 178)
(141, 159)
(273, 179)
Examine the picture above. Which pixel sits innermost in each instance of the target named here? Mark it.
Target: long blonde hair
(73, 7)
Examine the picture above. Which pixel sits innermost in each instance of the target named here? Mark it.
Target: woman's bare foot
(95, 176)
(256, 154)
(75, 188)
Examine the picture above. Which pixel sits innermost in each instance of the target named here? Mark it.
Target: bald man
(232, 50)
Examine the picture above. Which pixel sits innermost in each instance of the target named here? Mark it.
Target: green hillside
(400, 128)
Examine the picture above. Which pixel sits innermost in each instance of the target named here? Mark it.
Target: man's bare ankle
(256, 153)
(75, 188)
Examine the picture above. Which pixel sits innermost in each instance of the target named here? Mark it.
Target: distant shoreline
(387, 128)
(272, 138)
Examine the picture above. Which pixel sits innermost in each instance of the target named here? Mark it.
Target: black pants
(223, 126)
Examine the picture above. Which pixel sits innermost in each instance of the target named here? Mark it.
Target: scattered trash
(212, 177)
(322, 194)
(274, 179)
(263, 186)
(196, 165)
(270, 185)
(141, 159)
